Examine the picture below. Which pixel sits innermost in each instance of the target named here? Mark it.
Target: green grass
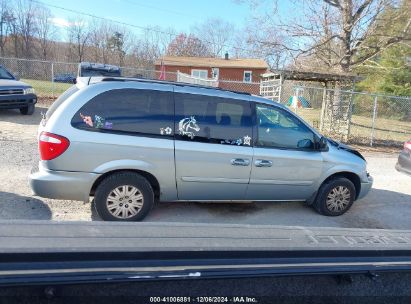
(386, 130)
(47, 89)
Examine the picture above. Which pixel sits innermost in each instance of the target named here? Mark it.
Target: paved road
(387, 206)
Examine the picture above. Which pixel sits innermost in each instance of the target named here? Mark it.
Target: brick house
(231, 74)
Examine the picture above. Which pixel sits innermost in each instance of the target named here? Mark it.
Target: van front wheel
(124, 197)
(335, 197)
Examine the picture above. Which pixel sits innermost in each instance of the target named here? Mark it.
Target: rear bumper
(365, 187)
(62, 184)
(17, 101)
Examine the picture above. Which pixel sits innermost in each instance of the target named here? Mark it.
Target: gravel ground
(388, 205)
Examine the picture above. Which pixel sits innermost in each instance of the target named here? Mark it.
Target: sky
(178, 14)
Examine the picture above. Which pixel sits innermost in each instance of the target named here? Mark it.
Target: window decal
(98, 121)
(87, 120)
(166, 131)
(247, 140)
(187, 126)
(108, 125)
(238, 141)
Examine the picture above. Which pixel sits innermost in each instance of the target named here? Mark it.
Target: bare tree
(100, 33)
(45, 31)
(79, 36)
(149, 46)
(248, 44)
(26, 24)
(187, 45)
(216, 34)
(5, 23)
(340, 34)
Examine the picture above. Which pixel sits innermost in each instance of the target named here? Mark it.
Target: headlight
(29, 91)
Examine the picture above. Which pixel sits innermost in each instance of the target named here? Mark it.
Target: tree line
(370, 37)
(29, 30)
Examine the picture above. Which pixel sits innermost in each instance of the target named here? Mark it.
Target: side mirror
(74, 80)
(305, 144)
(322, 143)
(16, 76)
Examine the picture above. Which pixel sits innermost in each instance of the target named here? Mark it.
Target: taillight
(407, 146)
(52, 145)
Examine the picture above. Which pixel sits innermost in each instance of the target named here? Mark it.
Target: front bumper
(61, 184)
(365, 187)
(17, 101)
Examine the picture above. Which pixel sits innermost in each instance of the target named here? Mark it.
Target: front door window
(277, 128)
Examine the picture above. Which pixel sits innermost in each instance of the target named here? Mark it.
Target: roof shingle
(213, 62)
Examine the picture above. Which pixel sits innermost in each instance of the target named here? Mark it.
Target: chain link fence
(50, 79)
(352, 117)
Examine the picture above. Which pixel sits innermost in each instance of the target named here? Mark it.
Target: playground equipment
(297, 100)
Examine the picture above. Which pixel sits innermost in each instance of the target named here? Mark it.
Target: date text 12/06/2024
(207, 299)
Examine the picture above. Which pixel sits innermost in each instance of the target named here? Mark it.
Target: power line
(160, 9)
(131, 25)
(104, 18)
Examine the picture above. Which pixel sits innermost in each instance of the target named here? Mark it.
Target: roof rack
(182, 84)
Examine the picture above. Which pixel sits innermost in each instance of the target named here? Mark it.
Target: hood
(345, 147)
(12, 83)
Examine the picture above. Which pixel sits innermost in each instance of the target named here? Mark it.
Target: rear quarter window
(129, 111)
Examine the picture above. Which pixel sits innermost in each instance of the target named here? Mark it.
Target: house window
(215, 73)
(199, 74)
(248, 76)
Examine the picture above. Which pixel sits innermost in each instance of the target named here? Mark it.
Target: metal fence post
(374, 116)
(350, 109)
(52, 79)
(323, 105)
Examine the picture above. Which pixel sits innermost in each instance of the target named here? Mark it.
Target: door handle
(263, 163)
(240, 162)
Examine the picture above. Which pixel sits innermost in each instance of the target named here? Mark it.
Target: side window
(278, 128)
(213, 120)
(128, 111)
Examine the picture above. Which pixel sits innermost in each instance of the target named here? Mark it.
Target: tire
(28, 110)
(344, 193)
(117, 186)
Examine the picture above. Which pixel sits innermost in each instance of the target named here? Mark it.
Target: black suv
(15, 94)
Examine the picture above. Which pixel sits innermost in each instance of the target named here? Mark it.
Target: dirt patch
(377, 149)
(45, 101)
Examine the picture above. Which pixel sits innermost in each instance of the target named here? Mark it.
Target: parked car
(16, 94)
(131, 142)
(66, 78)
(89, 69)
(404, 159)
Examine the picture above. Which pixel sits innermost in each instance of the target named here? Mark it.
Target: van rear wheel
(335, 197)
(124, 196)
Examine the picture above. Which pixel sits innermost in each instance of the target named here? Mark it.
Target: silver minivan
(132, 142)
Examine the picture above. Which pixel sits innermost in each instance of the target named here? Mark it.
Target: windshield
(4, 74)
(244, 115)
